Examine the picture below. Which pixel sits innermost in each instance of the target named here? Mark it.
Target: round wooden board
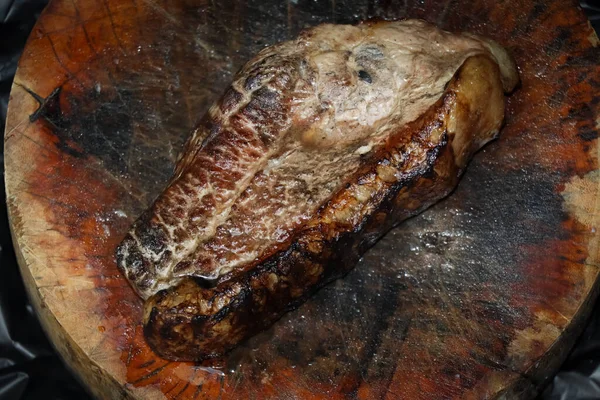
(479, 297)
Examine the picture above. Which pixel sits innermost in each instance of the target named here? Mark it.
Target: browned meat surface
(319, 146)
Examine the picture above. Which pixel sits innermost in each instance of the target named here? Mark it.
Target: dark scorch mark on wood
(101, 127)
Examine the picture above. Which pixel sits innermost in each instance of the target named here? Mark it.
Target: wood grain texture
(479, 297)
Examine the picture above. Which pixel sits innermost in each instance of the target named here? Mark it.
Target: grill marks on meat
(319, 146)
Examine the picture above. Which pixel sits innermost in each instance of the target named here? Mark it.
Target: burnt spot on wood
(536, 12)
(588, 135)
(90, 125)
(559, 41)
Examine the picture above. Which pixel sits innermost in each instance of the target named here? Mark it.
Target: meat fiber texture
(319, 146)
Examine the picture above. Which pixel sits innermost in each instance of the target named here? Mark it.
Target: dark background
(29, 367)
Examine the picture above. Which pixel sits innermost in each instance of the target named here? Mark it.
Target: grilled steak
(319, 146)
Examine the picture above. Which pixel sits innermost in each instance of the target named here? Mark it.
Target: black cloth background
(29, 366)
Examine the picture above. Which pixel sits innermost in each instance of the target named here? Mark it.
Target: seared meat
(319, 146)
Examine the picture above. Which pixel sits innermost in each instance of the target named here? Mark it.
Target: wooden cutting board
(479, 297)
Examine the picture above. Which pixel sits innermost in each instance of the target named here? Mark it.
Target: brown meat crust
(418, 165)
